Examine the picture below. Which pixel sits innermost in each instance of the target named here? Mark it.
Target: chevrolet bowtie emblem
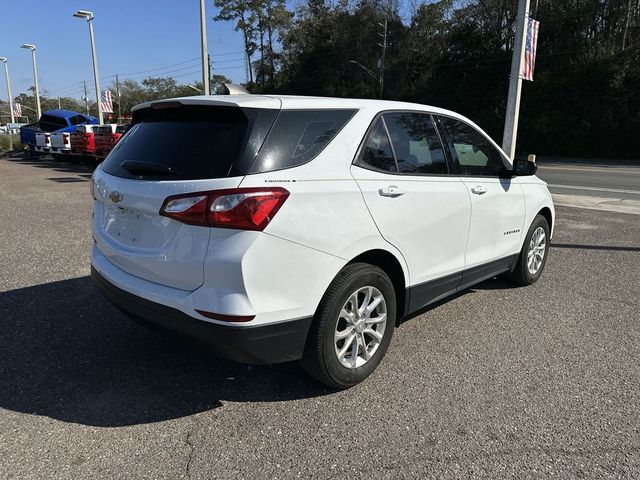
(116, 197)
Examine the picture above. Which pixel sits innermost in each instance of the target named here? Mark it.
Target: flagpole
(118, 95)
(515, 82)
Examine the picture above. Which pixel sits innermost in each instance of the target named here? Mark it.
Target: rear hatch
(171, 149)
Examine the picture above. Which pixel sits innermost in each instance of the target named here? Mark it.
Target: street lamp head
(4, 59)
(84, 14)
(28, 46)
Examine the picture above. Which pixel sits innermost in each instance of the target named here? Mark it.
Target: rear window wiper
(146, 167)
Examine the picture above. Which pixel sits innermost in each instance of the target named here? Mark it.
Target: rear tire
(347, 338)
(533, 256)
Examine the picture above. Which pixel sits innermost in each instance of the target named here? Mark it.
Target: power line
(191, 60)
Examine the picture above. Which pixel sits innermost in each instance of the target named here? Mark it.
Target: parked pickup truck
(83, 141)
(55, 143)
(60, 144)
(106, 136)
(53, 121)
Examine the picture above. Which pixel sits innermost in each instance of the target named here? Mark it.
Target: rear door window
(298, 136)
(416, 144)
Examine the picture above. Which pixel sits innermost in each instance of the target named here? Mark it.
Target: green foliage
(585, 100)
(7, 141)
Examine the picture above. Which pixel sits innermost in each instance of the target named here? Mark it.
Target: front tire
(352, 327)
(533, 256)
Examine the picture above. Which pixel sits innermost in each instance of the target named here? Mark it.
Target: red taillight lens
(241, 208)
(65, 139)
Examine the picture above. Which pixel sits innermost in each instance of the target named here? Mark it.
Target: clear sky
(134, 38)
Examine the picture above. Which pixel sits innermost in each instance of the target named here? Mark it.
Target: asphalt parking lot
(537, 382)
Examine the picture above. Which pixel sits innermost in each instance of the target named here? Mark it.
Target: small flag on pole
(530, 49)
(17, 109)
(106, 101)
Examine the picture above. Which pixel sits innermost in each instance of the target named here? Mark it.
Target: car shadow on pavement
(45, 161)
(67, 354)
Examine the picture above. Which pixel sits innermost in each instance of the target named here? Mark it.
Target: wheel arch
(546, 213)
(390, 264)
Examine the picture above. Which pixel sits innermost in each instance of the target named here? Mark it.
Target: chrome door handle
(479, 189)
(391, 191)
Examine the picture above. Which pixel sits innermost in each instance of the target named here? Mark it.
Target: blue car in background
(54, 121)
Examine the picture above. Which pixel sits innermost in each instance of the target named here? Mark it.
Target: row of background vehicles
(71, 136)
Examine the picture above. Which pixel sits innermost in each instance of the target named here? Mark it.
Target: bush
(5, 142)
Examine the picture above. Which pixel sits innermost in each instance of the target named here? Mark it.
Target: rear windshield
(183, 143)
(49, 123)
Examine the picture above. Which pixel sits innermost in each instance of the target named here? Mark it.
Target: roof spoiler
(233, 89)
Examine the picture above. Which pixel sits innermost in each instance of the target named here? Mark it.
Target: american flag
(530, 49)
(106, 101)
(17, 110)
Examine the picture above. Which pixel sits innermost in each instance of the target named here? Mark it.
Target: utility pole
(384, 51)
(515, 82)
(59, 104)
(86, 97)
(119, 96)
(205, 55)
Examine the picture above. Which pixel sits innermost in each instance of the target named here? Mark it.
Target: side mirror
(524, 168)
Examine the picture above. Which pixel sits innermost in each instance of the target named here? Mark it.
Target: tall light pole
(28, 46)
(6, 75)
(89, 17)
(205, 56)
(515, 83)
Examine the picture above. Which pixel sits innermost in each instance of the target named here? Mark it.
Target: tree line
(584, 100)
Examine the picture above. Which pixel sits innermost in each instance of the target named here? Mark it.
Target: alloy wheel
(360, 328)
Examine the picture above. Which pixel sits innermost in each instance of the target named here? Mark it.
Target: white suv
(279, 228)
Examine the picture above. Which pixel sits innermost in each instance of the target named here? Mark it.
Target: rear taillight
(65, 139)
(47, 138)
(241, 208)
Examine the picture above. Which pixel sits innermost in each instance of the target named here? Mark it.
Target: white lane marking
(612, 169)
(595, 189)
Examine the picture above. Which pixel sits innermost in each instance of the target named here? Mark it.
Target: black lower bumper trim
(258, 345)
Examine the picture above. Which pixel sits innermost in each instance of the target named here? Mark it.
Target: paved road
(597, 180)
(537, 382)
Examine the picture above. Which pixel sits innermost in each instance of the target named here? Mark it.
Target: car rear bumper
(257, 344)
